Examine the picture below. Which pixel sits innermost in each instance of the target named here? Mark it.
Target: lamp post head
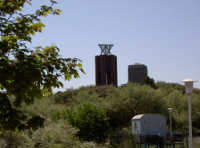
(170, 109)
(188, 85)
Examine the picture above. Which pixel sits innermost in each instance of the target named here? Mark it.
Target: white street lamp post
(188, 90)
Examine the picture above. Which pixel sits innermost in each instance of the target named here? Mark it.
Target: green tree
(92, 122)
(150, 81)
(27, 73)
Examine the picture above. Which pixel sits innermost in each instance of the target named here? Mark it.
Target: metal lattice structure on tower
(105, 49)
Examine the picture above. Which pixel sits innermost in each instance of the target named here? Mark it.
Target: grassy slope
(120, 104)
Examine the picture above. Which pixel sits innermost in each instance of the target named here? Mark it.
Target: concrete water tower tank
(137, 73)
(106, 66)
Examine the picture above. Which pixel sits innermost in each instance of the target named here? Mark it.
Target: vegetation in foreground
(94, 117)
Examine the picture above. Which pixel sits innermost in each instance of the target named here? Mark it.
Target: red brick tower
(106, 66)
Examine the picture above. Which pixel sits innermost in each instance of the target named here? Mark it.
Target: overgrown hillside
(94, 117)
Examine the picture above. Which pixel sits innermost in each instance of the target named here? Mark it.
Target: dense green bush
(53, 135)
(101, 113)
(121, 104)
(64, 97)
(91, 121)
(35, 122)
(133, 99)
(121, 138)
(10, 118)
(169, 87)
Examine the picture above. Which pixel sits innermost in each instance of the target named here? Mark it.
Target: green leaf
(27, 73)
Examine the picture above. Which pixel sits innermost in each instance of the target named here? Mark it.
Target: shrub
(91, 121)
(10, 118)
(35, 122)
(120, 137)
(134, 99)
(52, 135)
(64, 97)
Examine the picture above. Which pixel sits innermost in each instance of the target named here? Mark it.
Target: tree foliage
(92, 122)
(27, 73)
(121, 104)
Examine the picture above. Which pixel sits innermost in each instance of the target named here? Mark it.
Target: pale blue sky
(163, 34)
